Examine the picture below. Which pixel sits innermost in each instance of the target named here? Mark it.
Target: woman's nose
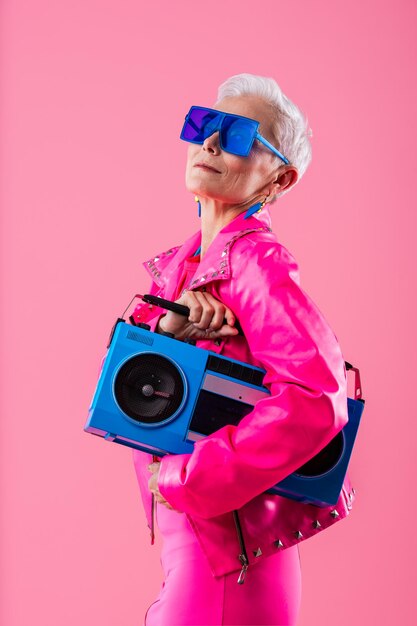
(212, 143)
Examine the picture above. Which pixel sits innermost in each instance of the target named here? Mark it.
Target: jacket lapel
(166, 268)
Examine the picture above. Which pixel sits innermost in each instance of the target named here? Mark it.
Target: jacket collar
(215, 263)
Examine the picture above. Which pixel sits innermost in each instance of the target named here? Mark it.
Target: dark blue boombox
(160, 395)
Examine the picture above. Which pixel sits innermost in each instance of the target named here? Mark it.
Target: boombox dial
(149, 388)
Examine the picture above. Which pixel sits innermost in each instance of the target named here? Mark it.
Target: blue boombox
(160, 395)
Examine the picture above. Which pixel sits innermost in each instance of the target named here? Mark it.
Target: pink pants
(191, 596)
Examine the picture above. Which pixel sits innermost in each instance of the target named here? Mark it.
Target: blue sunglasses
(237, 133)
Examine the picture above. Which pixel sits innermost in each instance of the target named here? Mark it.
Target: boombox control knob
(191, 341)
(148, 390)
(167, 334)
(143, 325)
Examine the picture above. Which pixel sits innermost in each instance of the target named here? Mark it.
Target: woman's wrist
(159, 327)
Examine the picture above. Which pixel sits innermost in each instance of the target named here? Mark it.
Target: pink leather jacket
(248, 270)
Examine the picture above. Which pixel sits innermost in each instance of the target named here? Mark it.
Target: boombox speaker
(160, 395)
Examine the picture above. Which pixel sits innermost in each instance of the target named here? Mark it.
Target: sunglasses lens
(200, 123)
(238, 134)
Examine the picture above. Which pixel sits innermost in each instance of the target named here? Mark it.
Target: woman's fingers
(153, 484)
(227, 331)
(219, 312)
(206, 312)
(229, 315)
(205, 320)
(195, 305)
(217, 327)
(203, 311)
(162, 500)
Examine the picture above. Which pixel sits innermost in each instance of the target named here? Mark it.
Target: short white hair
(290, 127)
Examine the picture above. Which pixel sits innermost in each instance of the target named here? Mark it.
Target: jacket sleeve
(306, 377)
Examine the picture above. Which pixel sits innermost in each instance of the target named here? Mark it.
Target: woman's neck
(214, 217)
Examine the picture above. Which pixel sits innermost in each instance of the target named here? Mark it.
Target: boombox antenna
(124, 312)
(121, 319)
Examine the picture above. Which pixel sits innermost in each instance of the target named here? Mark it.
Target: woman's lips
(207, 167)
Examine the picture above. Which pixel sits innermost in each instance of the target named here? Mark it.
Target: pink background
(93, 94)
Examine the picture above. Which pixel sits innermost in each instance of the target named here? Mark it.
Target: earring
(255, 208)
(199, 205)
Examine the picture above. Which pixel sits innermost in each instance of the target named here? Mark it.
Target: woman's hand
(205, 320)
(153, 485)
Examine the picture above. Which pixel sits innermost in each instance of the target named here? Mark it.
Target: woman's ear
(286, 178)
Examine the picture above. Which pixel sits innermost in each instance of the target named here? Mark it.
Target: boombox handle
(349, 366)
(358, 386)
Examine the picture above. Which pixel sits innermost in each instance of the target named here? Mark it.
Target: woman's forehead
(248, 105)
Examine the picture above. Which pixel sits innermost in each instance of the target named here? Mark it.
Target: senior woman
(230, 549)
